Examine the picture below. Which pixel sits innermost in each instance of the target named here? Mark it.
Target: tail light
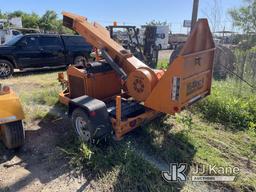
(92, 113)
(4, 89)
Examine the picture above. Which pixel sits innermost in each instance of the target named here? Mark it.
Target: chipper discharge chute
(121, 93)
(11, 116)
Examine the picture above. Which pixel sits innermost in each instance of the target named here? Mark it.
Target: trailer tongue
(122, 93)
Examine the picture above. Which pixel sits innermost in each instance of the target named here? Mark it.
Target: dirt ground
(39, 165)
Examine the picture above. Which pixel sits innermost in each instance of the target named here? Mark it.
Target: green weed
(128, 171)
(163, 64)
(227, 106)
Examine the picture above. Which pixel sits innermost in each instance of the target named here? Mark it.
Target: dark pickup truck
(42, 50)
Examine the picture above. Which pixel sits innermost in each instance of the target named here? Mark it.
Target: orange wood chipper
(119, 92)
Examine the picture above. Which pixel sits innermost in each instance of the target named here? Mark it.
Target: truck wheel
(82, 125)
(80, 61)
(6, 68)
(13, 134)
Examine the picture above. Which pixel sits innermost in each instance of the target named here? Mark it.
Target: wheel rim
(82, 129)
(5, 69)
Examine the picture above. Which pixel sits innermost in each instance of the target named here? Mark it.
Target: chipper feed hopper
(120, 92)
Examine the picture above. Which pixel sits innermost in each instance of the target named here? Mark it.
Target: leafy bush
(230, 105)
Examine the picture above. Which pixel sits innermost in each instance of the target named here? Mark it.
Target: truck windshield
(14, 40)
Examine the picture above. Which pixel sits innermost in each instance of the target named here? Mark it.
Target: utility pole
(194, 13)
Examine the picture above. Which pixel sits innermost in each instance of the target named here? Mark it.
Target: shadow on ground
(172, 147)
(40, 158)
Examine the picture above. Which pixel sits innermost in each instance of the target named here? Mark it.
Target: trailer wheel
(13, 134)
(82, 125)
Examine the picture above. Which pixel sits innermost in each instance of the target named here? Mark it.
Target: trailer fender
(96, 111)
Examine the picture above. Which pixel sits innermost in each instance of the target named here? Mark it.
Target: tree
(62, 29)
(3, 15)
(245, 19)
(245, 16)
(154, 22)
(16, 14)
(213, 12)
(48, 22)
(28, 20)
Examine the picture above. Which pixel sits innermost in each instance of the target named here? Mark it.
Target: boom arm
(99, 37)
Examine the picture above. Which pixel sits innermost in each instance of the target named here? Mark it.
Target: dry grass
(38, 93)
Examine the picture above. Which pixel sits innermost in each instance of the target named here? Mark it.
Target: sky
(132, 12)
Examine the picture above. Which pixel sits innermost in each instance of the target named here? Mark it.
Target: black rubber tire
(78, 112)
(80, 61)
(13, 134)
(9, 65)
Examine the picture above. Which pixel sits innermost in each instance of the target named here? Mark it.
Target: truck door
(27, 52)
(52, 50)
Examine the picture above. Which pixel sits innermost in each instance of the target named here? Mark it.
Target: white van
(162, 36)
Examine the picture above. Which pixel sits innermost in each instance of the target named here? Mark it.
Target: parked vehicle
(7, 34)
(42, 50)
(177, 40)
(161, 35)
